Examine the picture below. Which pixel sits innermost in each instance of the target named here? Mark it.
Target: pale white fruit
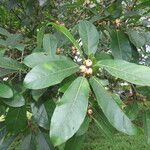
(90, 111)
(88, 62)
(89, 71)
(83, 68)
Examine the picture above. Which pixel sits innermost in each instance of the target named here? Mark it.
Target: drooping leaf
(147, 125)
(35, 59)
(40, 115)
(67, 33)
(89, 36)
(7, 143)
(8, 63)
(136, 38)
(29, 143)
(49, 74)
(16, 119)
(111, 110)
(70, 111)
(120, 45)
(136, 74)
(16, 101)
(5, 91)
(50, 44)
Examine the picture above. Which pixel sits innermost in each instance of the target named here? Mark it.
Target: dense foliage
(65, 65)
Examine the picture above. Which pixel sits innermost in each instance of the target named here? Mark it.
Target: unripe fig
(83, 68)
(89, 71)
(88, 62)
(90, 111)
(58, 51)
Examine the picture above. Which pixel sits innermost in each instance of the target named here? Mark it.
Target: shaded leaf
(5, 91)
(89, 36)
(111, 110)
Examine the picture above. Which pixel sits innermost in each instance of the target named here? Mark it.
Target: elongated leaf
(49, 74)
(5, 91)
(136, 74)
(39, 58)
(50, 44)
(36, 94)
(17, 100)
(40, 115)
(136, 38)
(4, 32)
(16, 120)
(29, 143)
(8, 63)
(111, 110)
(120, 45)
(147, 125)
(66, 32)
(7, 143)
(70, 112)
(89, 36)
(4, 72)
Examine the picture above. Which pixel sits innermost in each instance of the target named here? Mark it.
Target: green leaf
(136, 38)
(7, 143)
(16, 119)
(147, 125)
(136, 74)
(111, 109)
(40, 115)
(144, 91)
(39, 58)
(36, 94)
(89, 36)
(28, 143)
(70, 111)
(5, 91)
(4, 72)
(8, 63)
(40, 35)
(50, 44)
(102, 55)
(67, 33)
(17, 100)
(75, 143)
(42, 144)
(49, 74)
(4, 32)
(120, 45)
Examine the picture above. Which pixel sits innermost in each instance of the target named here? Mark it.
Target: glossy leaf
(111, 110)
(89, 36)
(39, 58)
(16, 120)
(17, 100)
(120, 45)
(5, 91)
(49, 74)
(70, 112)
(50, 44)
(136, 74)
